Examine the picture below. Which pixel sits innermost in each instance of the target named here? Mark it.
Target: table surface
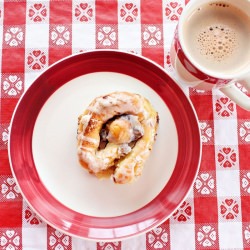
(35, 34)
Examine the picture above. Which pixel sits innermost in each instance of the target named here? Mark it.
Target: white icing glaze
(88, 139)
(85, 121)
(116, 104)
(95, 163)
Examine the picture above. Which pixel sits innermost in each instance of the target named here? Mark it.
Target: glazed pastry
(115, 136)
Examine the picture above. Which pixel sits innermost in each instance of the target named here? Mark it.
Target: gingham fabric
(34, 34)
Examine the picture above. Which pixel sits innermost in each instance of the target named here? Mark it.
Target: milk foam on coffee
(217, 36)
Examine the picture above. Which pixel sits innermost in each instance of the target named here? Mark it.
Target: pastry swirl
(115, 135)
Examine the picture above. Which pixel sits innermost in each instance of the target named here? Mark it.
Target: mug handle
(236, 95)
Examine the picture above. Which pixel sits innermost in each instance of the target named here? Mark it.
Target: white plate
(43, 148)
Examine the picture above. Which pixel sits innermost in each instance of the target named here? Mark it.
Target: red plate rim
(104, 228)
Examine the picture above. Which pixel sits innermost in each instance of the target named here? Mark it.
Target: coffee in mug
(211, 47)
(217, 35)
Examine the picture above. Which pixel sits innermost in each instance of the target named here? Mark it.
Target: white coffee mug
(191, 70)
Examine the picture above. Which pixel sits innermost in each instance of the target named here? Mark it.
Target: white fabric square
(134, 32)
(225, 132)
(37, 36)
(230, 235)
(182, 236)
(168, 33)
(228, 183)
(138, 242)
(34, 238)
(83, 36)
(30, 77)
(79, 244)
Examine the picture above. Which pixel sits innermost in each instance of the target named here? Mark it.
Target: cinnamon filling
(123, 129)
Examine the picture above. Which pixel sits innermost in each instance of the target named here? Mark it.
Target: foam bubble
(215, 35)
(217, 41)
(224, 5)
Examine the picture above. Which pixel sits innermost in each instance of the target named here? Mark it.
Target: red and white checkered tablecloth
(34, 34)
